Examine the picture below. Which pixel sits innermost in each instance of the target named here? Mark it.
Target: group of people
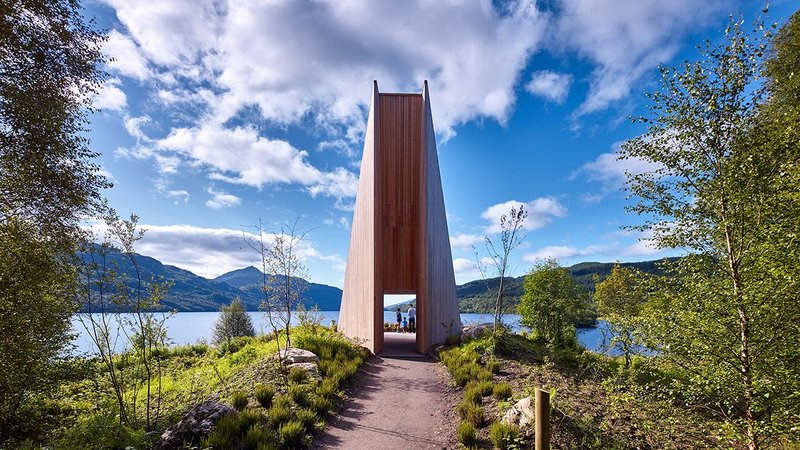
(407, 325)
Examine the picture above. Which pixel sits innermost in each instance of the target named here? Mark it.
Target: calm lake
(192, 327)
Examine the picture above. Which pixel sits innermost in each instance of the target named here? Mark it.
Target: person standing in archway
(412, 318)
(399, 319)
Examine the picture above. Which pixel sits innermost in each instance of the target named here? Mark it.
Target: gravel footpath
(400, 400)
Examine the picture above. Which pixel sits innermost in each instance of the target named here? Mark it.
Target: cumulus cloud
(110, 96)
(541, 212)
(462, 240)
(250, 52)
(222, 200)
(611, 172)
(624, 39)
(241, 156)
(465, 270)
(549, 85)
(208, 252)
(562, 252)
(127, 59)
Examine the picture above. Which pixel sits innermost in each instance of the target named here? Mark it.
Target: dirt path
(401, 400)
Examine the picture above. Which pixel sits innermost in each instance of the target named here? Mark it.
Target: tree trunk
(745, 361)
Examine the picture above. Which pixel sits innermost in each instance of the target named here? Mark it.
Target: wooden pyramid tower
(399, 242)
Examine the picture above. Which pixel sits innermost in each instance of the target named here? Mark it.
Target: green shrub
(298, 375)
(461, 377)
(229, 429)
(282, 401)
(473, 394)
(234, 345)
(484, 387)
(471, 412)
(493, 365)
(239, 400)
(503, 436)
(100, 432)
(257, 437)
(467, 435)
(307, 417)
(291, 434)
(327, 389)
(502, 391)
(264, 395)
(322, 405)
(300, 394)
(278, 414)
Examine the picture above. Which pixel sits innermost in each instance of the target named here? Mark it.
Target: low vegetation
(244, 373)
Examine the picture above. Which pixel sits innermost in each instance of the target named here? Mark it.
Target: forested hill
(473, 296)
(190, 292)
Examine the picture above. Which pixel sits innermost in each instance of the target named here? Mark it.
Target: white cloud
(462, 240)
(541, 212)
(208, 252)
(344, 222)
(221, 200)
(549, 85)
(611, 172)
(240, 155)
(180, 195)
(134, 127)
(294, 59)
(625, 39)
(465, 270)
(127, 58)
(562, 252)
(110, 96)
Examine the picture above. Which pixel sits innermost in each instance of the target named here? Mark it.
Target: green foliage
(322, 405)
(291, 434)
(298, 375)
(484, 387)
(493, 365)
(264, 395)
(726, 154)
(473, 394)
(36, 307)
(100, 432)
(229, 430)
(258, 437)
(552, 303)
(278, 414)
(239, 400)
(300, 394)
(502, 391)
(307, 417)
(233, 321)
(467, 435)
(470, 412)
(504, 436)
(619, 299)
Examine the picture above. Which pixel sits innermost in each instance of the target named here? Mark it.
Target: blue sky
(217, 114)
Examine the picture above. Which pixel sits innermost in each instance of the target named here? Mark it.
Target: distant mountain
(249, 280)
(474, 297)
(190, 292)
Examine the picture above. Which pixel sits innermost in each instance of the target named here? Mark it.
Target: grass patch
(467, 434)
(504, 436)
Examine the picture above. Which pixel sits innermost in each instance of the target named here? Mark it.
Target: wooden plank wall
(361, 314)
(440, 316)
(400, 138)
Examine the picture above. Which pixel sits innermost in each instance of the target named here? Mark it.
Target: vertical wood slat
(399, 240)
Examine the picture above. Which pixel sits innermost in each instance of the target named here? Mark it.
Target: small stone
(194, 425)
(298, 355)
(475, 329)
(521, 414)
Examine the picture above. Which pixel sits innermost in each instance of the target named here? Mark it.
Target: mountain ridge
(192, 293)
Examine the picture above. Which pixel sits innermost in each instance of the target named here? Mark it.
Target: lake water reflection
(192, 327)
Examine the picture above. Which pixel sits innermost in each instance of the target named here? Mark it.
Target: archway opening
(399, 330)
